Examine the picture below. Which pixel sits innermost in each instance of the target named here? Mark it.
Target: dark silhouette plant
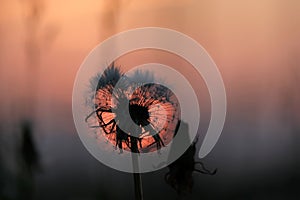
(145, 103)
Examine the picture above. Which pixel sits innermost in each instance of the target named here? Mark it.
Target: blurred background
(255, 44)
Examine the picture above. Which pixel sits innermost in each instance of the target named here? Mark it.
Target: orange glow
(249, 41)
(163, 111)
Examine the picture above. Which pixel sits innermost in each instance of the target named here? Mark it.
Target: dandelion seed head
(153, 107)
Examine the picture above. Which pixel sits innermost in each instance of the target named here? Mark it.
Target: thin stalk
(138, 187)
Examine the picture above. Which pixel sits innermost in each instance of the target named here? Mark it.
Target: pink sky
(254, 43)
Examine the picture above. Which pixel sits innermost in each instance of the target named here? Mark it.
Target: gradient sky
(255, 45)
(243, 38)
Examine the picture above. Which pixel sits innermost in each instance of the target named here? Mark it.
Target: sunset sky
(255, 45)
(242, 37)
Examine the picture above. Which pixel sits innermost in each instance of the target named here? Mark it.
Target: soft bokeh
(254, 43)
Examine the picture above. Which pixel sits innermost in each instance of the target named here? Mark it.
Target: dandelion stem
(138, 187)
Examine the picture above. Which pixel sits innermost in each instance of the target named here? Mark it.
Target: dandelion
(152, 107)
